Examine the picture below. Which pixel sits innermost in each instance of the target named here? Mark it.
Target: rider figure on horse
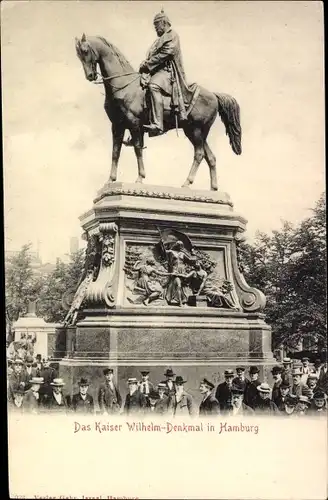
(163, 73)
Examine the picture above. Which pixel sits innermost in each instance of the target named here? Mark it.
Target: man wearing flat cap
(169, 382)
(223, 392)
(32, 397)
(241, 380)
(181, 402)
(144, 385)
(209, 405)
(306, 369)
(163, 400)
(135, 401)
(82, 402)
(109, 397)
(238, 407)
(251, 394)
(164, 68)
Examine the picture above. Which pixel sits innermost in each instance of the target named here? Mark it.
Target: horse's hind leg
(196, 138)
(211, 161)
(138, 144)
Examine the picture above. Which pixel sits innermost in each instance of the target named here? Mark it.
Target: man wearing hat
(181, 402)
(298, 388)
(144, 385)
(319, 404)
(82, 402)
(287, 371)
(153, 397)
(251, 394)
(303, 405)
(163, 61)
(209, 405)
(109, 397)
(240, 381)
(306, 369)
(277, 377)
(163, 400)
(29, 369)
(223, 391)
(323, 377)
(238, 407)
(169, 383)
(55, 401)
(16, 404)
(18, 378)
(312, 383)
(135, 401)
(48, 373)
(290, 405)
(264, 405)
(32, 396)
(280, 398)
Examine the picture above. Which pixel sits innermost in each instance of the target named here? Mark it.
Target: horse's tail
(229, 112)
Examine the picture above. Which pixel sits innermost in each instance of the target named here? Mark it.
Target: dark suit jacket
(265, 407)
(251, 393)
(135, 403)
(323, 380)
(276, 389)
(82, 406)
(108, 399)
(210, 406)
(162, 405)
(168, 391)
(17, 380)
(280, 404)
(241, 383)
(223, 395)
(50, 403)
(183, 407)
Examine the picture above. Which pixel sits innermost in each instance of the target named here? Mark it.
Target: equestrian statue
(157, 99)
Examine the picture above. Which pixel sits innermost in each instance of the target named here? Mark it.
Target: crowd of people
(298, 389)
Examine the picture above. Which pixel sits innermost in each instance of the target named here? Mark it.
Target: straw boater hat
(287, 361)
(57, 382)
(18, 361)
(37, 380)
(264, 387)
(304, 399)
(161, 386)
(132, 380)
(314, 376)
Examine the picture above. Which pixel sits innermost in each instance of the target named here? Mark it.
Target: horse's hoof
(214, 188)
(112, 179)
(186, 185)
(139, 180)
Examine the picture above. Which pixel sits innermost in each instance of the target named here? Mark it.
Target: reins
(109, 78)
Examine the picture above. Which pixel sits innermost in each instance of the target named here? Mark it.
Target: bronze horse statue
(124, 105)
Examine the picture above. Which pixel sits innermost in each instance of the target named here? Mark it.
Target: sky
(56, 135)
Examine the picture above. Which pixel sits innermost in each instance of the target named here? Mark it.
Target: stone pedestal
(131, 314)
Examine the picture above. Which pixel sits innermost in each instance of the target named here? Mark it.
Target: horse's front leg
(117, 134)
(138, 143)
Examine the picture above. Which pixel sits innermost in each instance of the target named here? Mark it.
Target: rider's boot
(156, 127)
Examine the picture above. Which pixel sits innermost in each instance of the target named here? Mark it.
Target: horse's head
(88, 57)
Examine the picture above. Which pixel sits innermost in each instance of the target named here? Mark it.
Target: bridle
(110, 78)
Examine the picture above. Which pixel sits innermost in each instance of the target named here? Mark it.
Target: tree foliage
(289, 266)
(65, 277)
